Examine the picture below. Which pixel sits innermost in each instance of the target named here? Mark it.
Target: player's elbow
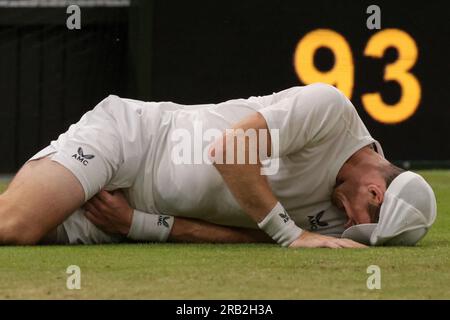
(237, 147)
(217, 151)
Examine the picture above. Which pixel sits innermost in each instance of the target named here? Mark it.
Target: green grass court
(184, 271)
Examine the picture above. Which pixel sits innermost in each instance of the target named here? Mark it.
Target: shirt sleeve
(302, 116)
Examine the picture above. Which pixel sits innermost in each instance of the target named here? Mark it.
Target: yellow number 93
(342, 73)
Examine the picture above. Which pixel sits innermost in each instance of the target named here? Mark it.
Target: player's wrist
(150, 227)
(123, 226)
(126, 227)
(280, 227)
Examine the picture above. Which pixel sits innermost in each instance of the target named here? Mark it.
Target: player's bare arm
(111, 212)
(251, 189)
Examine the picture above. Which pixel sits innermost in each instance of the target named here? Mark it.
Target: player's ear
(376, 194)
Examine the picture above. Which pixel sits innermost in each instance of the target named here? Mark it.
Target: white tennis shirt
(319, 129)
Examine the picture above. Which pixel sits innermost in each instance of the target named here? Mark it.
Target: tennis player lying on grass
(314, 178)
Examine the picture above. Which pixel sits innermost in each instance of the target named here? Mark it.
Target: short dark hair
(389, 172)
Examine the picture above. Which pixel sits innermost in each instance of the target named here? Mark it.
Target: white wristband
(278, 225)
(150, 227)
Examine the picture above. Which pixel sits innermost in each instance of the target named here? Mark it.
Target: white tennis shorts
(104, 151)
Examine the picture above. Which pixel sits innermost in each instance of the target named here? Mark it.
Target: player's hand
(314, 240)
(110, 212)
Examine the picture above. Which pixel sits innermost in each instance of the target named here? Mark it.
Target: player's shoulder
(322, 91)
(318, 98)
(115, 99)
(326, 96)
(113, 103)
(111, 99)
(317, 93)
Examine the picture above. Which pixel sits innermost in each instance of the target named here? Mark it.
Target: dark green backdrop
(208, 51)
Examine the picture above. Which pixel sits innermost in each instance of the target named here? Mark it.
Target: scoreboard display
(341, 74)
(396, 71)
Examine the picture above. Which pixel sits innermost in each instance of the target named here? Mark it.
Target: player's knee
(217, 151)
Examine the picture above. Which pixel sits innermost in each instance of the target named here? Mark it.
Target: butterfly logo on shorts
(83, 158)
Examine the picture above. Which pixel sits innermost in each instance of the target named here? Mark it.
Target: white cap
(407, 212)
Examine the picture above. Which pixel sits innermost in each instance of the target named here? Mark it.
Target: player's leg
(60, 178)
(41, 196)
